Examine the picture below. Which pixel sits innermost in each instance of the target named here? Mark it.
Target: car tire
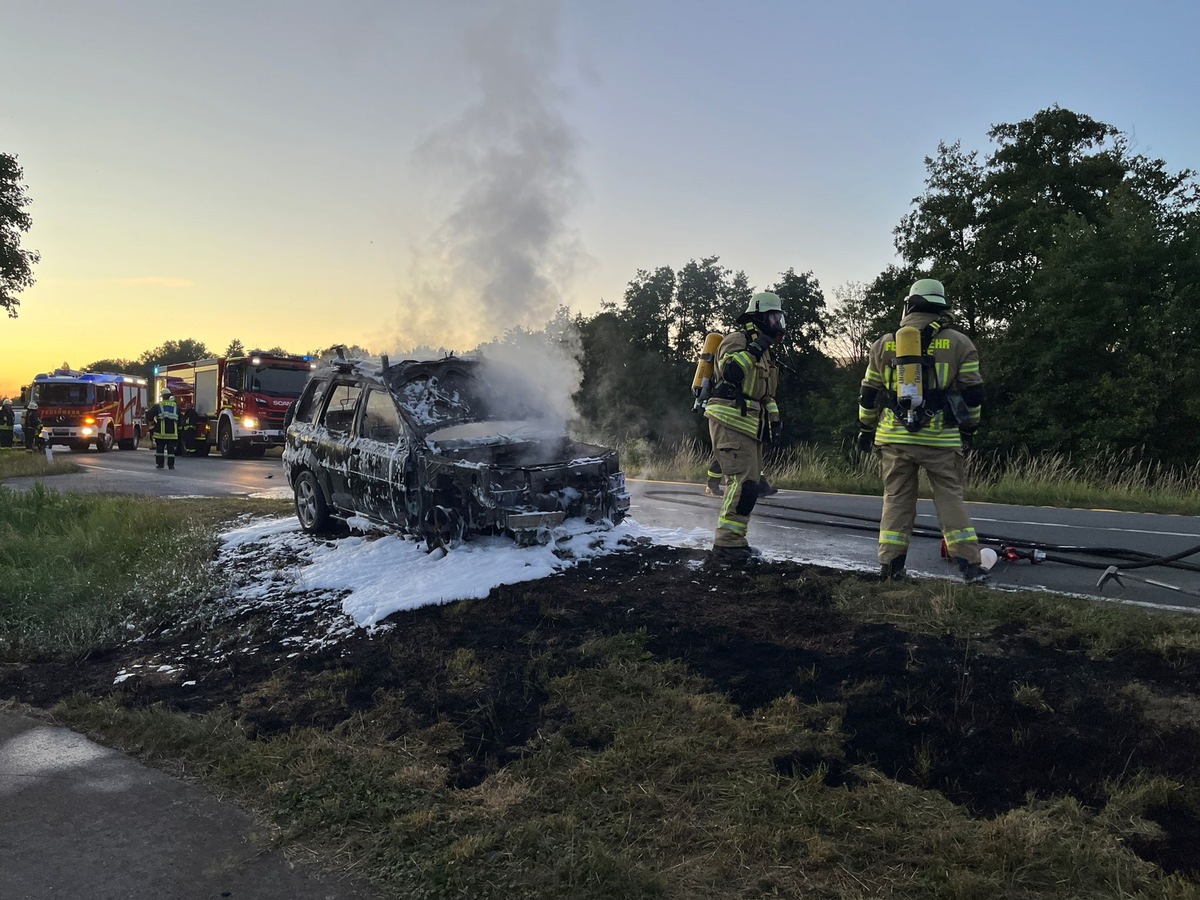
(104, 442)
(311, 509)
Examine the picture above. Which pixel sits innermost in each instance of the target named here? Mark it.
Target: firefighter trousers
(164, 450)
(740, 456)
(946, 471)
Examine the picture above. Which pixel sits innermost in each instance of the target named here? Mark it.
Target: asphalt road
(133, 472)
(840, 530)
(831, 529)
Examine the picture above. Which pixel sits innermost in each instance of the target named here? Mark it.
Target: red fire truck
(237, 403)
(84, 408)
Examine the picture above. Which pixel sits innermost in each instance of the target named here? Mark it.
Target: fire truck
(84, 408)
(236, 403)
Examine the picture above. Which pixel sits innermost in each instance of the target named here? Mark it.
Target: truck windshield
(278, 382)
(64, 394)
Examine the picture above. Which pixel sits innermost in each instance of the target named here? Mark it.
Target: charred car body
(441, 449)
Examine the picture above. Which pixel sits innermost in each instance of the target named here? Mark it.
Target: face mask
(775, 324)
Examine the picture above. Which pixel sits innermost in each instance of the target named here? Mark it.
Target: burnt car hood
(435, 395)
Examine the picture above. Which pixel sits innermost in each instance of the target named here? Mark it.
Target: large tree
(16, 265)
(1073, 261)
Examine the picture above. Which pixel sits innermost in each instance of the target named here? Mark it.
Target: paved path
(84, 822)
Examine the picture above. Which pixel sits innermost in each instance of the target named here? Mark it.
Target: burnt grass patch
(989, 720)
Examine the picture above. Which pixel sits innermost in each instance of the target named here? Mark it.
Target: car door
(334, 442)
(374, 460)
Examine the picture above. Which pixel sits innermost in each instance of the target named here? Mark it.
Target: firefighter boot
(712, 487)
(893, 568)
(765, 489)
(972, 573)
(732, 556)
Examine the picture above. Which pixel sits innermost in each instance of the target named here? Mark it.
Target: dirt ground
(774, 631)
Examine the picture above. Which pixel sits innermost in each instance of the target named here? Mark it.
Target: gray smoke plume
(507, 164)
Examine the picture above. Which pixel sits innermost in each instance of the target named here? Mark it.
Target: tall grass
(1053, 479)
(79, 573)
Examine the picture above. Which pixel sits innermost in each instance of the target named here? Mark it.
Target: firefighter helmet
(31, 406)
(164, 394)
(927, 294)
(765, 310)
(763, 301)
(7, 402)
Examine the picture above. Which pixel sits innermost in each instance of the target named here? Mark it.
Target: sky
(389, 173)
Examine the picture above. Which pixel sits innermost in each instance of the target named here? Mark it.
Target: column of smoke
(495, 264)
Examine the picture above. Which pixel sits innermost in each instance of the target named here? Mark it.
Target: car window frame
(390, 402)
(352, 424)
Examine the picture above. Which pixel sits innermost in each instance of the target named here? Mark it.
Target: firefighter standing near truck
(163, 418)
(31, 426)
(8, 423)
(742, 415)
(919, 406)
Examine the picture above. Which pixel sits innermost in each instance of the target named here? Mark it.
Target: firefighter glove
(968, 438)
(775, 433)
(762, 341)
(866, 440)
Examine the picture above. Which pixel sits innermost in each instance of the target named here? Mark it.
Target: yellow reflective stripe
(773, 408)
(969, 367)
(943, 374)
(872, 376)
(962, 536)
(893, 538)
(732, 418)
(731, 525)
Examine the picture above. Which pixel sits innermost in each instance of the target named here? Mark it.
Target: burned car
(442, 449)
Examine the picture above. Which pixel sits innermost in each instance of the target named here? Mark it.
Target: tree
(645, 312)
(235, 348)
(116, 366)
(700, 293)
(16, 265)
(941, 235)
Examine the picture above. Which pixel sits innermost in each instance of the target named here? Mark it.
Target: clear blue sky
(385, 173)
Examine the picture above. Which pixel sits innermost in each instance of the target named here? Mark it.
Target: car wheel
(311, 508)
(225, 441)
(104, 442)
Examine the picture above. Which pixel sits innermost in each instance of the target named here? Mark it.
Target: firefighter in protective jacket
(919, 405)
(742, 417)
(164, 420)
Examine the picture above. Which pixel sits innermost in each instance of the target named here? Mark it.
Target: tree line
(1072, 261)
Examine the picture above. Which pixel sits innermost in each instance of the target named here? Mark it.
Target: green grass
(1108, 481)
(16, 463)
(78, 572)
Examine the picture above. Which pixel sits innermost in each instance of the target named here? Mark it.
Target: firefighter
(742, 416)
(8, 423)
(919, 407)
(31, 425)
(163, 417)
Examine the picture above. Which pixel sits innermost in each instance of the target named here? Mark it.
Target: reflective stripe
(893, 538)
(731, 525)
(732, 417)
(962, 536)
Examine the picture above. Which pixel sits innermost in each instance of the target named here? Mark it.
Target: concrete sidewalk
(85, 822)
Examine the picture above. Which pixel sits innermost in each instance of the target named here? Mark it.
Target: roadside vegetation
(18, 464)
(637, 728)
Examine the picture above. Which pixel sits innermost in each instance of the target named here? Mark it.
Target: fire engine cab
(236, 403)
(79, 409)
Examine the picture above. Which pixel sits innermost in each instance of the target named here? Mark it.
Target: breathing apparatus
(703, 381)
(913, 406)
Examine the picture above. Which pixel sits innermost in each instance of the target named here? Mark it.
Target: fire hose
(1013, 549)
